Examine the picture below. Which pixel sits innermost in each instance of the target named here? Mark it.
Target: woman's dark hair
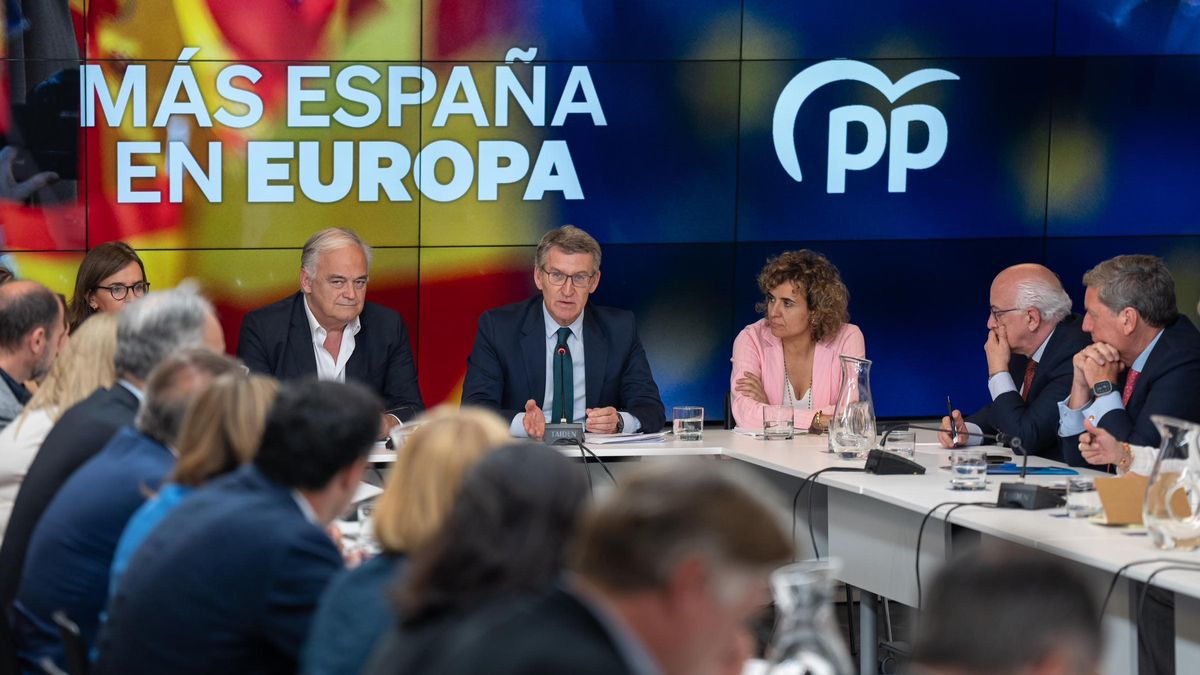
(103, 261)
(507, 533)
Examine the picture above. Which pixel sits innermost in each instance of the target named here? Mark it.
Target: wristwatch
(1101, 388)
(620, 423)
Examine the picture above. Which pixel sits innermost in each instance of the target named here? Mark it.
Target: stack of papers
(613, 439)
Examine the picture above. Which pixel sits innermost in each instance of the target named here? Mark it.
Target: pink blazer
(757, 351)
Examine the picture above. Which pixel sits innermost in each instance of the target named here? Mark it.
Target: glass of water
(968, 469)
(688, 422)
(903, 442)
(852, 432)
(779, 422)
(1082, 499)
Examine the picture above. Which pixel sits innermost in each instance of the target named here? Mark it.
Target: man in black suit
(147, 331)
(1145, 358)
(328, 330)
(546, 358)
(228, 582)
(669, 570)
(1032, 336)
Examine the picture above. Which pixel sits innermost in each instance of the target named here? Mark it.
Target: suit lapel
(533, 350)
(298, 357)
(356, 367)
(595, 358)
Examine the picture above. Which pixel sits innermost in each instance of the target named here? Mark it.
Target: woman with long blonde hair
(85, 365)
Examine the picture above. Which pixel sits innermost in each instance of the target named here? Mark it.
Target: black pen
(950, 416)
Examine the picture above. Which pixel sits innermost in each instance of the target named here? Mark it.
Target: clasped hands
(1098, 362)
(599, 420)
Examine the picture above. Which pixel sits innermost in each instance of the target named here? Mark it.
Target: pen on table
(950, 416)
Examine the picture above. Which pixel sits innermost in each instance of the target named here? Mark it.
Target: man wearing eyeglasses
(1032, 337)
(330, 331)
(547, 359)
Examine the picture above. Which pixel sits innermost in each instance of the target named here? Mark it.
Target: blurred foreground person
(506, 537)
(1008, 612)
(228, 582)
(421, 488)
(668, 570)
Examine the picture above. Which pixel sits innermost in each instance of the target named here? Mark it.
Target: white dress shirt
(327, 367)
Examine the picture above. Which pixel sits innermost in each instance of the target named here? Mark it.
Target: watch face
(1101, 388)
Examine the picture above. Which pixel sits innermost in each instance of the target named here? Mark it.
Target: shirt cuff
(1100, 407)
(1070, 421)
(975, 434)
(1001, 383)
(632, 424)
(1143, 459)
(517, 428)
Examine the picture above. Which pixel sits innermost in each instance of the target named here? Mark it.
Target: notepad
(1012, 469)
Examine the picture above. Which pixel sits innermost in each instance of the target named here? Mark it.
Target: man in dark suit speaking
(330, 331)
(546, 358)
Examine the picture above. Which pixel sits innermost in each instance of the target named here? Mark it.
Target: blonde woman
(221, 432)
(421, 487)
(85, 365)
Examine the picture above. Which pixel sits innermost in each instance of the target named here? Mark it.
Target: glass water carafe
(852, 427)
(1171, 509)
(806, 640)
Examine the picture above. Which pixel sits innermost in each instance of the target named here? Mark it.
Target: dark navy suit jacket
(71, 551)
(507, 366)
(277, 341)
(79, 434)
(1168, 385)
(1035, 421)
(227, 583)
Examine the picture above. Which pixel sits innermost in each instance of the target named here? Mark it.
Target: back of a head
(429, 468)
(85, 365)
(993, 612)
(315, 430)
(1142, 282)
(665, 512)
(151, 328)
(172, 386)
(24, 307)
(507, 533)
(223, 427)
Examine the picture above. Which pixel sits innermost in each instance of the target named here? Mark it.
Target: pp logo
(901, 158)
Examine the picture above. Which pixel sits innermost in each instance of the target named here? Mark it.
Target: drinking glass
(968, 469)
(902, 442)
(688, 422)
(1082, 499)
(779, 422)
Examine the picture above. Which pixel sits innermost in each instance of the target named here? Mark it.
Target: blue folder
(1011, 469)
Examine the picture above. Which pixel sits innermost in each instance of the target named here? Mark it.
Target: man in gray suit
(31, 333)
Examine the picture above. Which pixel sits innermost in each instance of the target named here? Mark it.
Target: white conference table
(870, 523)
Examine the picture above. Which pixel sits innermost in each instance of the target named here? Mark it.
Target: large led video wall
(922, 145)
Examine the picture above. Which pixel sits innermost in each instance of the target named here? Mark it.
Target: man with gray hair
(330, 331)
(32, 332)
(148, 330)
(668, 570)
(71, 550)
(1032, 336)
(552, 358)
(1144, 359)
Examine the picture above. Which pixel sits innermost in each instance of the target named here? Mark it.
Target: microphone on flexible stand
(1013, 495)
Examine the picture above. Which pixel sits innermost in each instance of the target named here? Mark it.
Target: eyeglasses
(557, 278)
(997, 312)
(119, 291)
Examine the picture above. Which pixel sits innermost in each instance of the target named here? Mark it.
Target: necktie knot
(563, 334)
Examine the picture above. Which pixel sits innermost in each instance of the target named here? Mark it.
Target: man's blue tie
(564, 383)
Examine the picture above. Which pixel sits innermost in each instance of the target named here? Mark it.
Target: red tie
(1130, 380)
(1029, 369)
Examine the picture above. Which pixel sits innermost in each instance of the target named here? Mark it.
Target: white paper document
(612, 439)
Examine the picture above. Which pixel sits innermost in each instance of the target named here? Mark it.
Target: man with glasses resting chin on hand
(546, 359)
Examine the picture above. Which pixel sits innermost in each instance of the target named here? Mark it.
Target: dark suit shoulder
(278, 311)
(378, 314)
(515, 312)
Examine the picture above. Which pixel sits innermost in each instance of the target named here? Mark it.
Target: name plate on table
(563, 434)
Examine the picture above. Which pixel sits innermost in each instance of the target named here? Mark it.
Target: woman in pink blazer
(790, 356)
